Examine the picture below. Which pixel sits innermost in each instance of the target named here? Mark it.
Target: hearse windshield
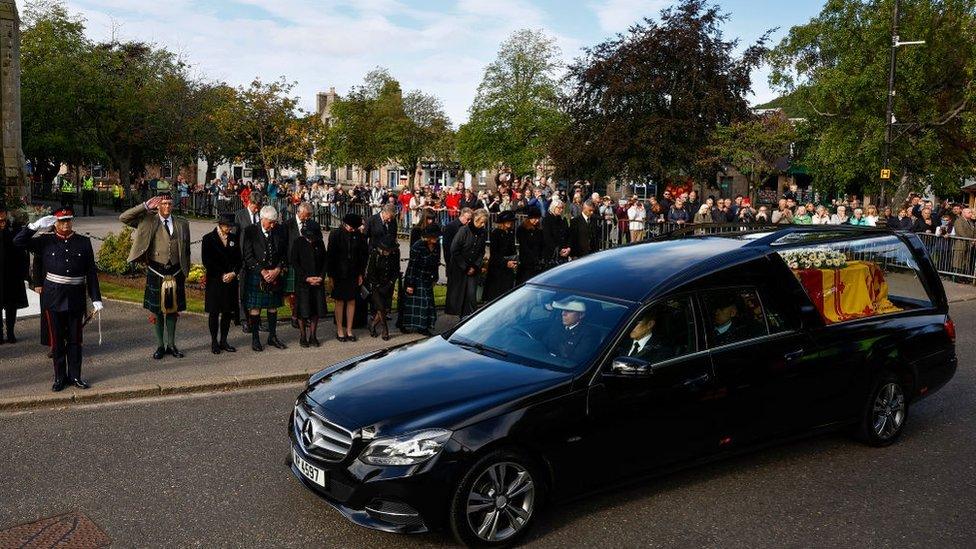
(541, 326)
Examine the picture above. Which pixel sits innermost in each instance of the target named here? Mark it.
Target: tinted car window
(780, 312)
(860, 278)
(733, 315)
(539, 326)
(664, 331)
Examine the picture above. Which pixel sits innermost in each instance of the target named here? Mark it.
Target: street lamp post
(890, 115)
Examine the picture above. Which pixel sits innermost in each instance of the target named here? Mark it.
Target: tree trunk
(125, 172)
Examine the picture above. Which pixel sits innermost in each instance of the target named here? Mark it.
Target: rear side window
(860, 278)
(733, 315)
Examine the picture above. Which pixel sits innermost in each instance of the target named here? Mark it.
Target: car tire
(497, 500)
(885, 411)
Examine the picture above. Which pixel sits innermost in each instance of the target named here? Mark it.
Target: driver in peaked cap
(572, 339)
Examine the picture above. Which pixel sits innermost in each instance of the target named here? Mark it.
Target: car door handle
(795, 355)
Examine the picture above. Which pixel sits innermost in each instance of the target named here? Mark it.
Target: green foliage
(274, 130)
(197, 274)
(835, 70)
(644, 105)
(377, 124)
(516, 113)
(753, 146)
(113, 255)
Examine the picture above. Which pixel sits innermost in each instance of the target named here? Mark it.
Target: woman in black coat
(530, 246)
(502, 260)
(14, 272)
(382, 273)
(347, 264)
(467, 257)
(555, 234)
(309, 260)
(221, 254)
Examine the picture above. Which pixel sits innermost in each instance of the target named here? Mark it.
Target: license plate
(309, 471)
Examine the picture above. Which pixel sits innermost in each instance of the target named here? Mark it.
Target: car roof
(641, 271)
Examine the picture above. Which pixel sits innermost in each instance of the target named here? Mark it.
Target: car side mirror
(626, 366)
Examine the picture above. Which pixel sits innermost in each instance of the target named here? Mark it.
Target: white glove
(97, 305)
(45, 222)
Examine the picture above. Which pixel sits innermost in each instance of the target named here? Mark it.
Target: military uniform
(70, 277)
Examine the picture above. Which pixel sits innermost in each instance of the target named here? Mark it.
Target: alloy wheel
(889, 411)
(501, 501)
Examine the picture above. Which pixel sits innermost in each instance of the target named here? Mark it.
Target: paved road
(208, 471)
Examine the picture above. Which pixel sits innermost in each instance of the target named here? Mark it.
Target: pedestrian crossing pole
(890, 121)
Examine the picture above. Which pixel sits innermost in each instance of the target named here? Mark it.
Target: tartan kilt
(418, 309)
(290, 282)
(150, 297)
(256, 298)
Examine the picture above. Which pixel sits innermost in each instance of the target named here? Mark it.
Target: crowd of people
(272, 251)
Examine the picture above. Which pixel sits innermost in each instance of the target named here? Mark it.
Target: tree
(644, 105)
(428, 133)
(754, 147)
(215, 129)
(515, 114)
(835, 69)
(53, 47)
(274, 131)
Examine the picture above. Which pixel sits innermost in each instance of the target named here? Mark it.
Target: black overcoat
(218, 260)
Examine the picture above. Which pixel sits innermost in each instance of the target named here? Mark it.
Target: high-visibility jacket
(67, 186)
(88, 184)
(117, 191)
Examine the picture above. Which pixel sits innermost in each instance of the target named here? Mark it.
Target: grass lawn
(131, 290)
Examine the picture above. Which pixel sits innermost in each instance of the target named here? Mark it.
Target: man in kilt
(419, 314)
(265, 248)
(162, 243)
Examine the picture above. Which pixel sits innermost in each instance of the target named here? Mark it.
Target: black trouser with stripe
(65, 330)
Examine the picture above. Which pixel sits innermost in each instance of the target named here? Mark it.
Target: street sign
(885, 173)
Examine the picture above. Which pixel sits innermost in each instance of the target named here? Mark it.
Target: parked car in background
(627, 364)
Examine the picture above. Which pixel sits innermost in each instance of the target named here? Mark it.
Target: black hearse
(628, 363)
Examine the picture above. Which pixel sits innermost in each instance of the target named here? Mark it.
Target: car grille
(320, 437)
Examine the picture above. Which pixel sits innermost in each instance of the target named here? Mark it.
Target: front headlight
(409, 449)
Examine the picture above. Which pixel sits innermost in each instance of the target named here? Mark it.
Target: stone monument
(13, 171)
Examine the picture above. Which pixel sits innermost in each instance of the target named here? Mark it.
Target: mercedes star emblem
(308, 433)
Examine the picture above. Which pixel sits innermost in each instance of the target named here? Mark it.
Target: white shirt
(637, 217)
(641, 343)
(167, 223)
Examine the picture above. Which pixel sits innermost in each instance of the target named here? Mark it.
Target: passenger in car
(572, 339)
(646, 343)
(727, 325)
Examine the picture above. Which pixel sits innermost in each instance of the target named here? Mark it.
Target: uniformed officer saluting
(69, 264)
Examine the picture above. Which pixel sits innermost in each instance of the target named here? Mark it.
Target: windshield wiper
(478, 346)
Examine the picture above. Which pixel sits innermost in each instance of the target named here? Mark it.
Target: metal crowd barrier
(953, 256)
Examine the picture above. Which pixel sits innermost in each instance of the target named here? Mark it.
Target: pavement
(122, 366)
(207, 470)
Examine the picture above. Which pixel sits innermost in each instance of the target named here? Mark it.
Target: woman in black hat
(14, 271)
(502, 260)
(419, 314)
(347, 264)
(531, 243)
(309, 260)
(221, 253)
(382, 273)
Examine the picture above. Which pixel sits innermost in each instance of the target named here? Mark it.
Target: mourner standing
(585, 232)
(309, 261)
(265, 249)
(249, 215)
(222, 259)
(467, 258)
(450, 231)
(382, 273)
(162, 243)
(531, 246)
(381, 224)
(69, 267)
(555, 236)
(303, 218)
(419, 314)
(88, 196)
(503, 257)
(14, 274)
(347, 265)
